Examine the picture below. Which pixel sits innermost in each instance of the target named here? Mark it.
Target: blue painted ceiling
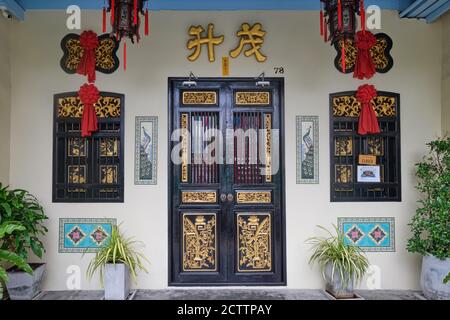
(426, 9)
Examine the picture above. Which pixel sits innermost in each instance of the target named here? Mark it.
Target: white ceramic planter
(431, 279)
(117, 281)
(24, 286)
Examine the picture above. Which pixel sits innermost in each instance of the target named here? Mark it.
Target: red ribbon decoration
(89, 42)
(89, 95)
(321, 22)
(104, 20)
(135, 13)
(325, 30)
(343, 56)
(362, 13)
(124, 56)
(339, 15)
(364, 67)
(146, 31)
(368, 122)
(113, 11)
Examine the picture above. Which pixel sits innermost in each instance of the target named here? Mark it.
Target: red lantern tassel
(104, 20)
(146, 32)
(363, 16)
(135, 21)
(124, 56)
(113, 11)
(325, 31)
(321, 22)
(343, 56)
(339, 14)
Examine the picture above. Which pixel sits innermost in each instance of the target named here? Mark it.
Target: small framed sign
(369, 174)
(367, 159)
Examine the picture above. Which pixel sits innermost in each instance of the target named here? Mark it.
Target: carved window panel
(199, 98)
(252, 98)
(347, 146)
(189, 197)
(199, 252)
(254, 242)
(253, 197)
(88, 169)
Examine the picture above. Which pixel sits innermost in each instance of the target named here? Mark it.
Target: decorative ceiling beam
(14, 8)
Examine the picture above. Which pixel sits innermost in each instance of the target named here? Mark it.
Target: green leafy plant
(8, 257)
(348, 261)
(447, 279)
(19, 206)
(430, 225)
(118, 250)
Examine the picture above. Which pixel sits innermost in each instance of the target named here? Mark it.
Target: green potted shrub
(20, 207)
(8, 257)
(115, 263)
(430, 226)
(342, 265)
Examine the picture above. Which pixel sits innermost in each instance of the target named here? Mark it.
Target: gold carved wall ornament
(344, 173)
(199, 242)
(349, 106)
(71, 107)
(184, 147)
(197, 41)
(254, 242)
(199, 97)
(268, 146)
(252, 98)
(253, 38)
(343, 146)
(199, 197)
(254, 197)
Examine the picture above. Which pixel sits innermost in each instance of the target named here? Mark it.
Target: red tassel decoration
(343, 56)
(363, 16)
(135, 15)
(146, 31)
(321, 22)
(325, 31)
(104, 20)
(124, 56)
(339, 14)
(113, 11)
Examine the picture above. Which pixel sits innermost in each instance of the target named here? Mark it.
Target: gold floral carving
(254, 197)
(254, 242)
(344, 173)
(343, 146)
(349, 106)
(71, 107)
(199, 242)
(268, 147)
(184, 147)
(199, 97)
(199, 197)
(253, 98)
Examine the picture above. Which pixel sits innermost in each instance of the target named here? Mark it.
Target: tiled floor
(232, 294)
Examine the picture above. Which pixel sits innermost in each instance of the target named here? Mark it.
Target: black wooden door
(226, 182)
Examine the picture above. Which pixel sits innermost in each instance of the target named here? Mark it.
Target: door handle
(223, 197)
(230, 197)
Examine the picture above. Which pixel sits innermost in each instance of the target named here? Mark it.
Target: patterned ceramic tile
(146, 150)
(307, 149)
(370, 234)
(84, 235)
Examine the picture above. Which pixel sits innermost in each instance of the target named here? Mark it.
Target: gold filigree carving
(71, 107)
(76, 174)
(108, 174)
(344, 173)
(199, 242)
(254, 242)
(77, 147)
(199, 197)
(343, 146)
(268, 147)
(349, 106)
(375, 146)
(252, 98)
(199, 97)
(109, 147)
(103, 54)
(184, 147)
(254, 197)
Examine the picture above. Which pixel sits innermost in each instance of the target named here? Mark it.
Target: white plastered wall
(5, 99)
(292, 42)
(446, 73)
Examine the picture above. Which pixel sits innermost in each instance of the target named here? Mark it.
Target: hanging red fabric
(343, 57)
(325, 30)
(147, 24)
(321, 22)
(89, 42)
(125, 56)
(364, 66)
(135, 12)
(89, 95)
(113, 11)
(362, 14)
(340, 15)
(104, 20)
(368, 122)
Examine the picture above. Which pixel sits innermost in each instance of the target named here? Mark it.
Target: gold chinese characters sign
(253, 197)
(251, 39)
(199, 197)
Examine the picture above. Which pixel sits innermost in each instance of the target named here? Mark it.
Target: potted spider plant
(430, 226)
(19, 207)
(342, 265)
(115, 263)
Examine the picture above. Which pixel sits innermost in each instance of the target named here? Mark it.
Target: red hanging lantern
(341, 18)
(125, 18)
